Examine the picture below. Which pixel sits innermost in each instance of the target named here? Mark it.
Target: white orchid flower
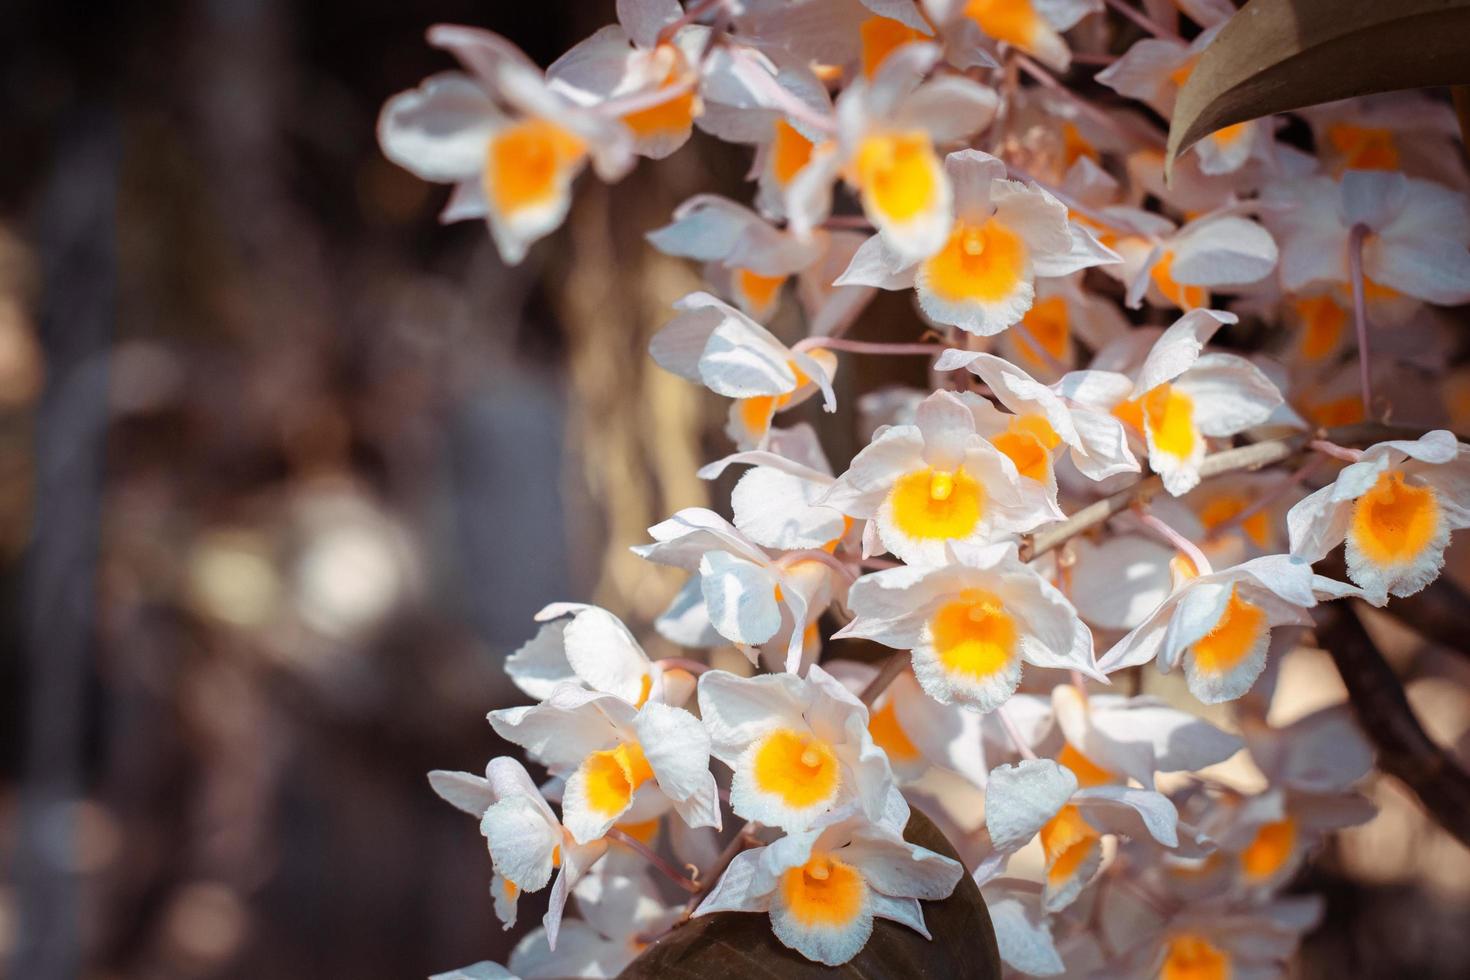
(593, 648)
(888, 131)
(971, 624)
(823, 887)
(836, 33)
(937, 484)
(1004, 236)
(1219, 625)
(514, 170)
(799, 747)
(1071, 803)
(775, 504)
(1153, 71)
(1134, 738)
(1043, 421)
(1395, 508)
(1418, 234)
(1178, 397)
(1034, 26)
(1045, 342)
(1182, 267)
(527, 842)
(632, 63)
(749, 256)
(618, 910)
(713, 344)
(621, 763)
(740, 593)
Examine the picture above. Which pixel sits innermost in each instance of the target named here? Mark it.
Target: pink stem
(643, 851)
(848, 221)
(880, 563)
(1015, 733)
(1143, 20)
(1181, 544)
(695, 11)
(1335, 451)
(639, 101)
(1360, 314)
(867, 347)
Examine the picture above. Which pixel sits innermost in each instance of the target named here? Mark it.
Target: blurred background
(286, 468)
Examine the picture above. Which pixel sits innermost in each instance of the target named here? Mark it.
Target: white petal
(1230, 394)
(464, 791)
(1135, 813)
(677, 747)
(521, 842)
(744, 887)
(738, 710)
(1436, 270)
(440, 130)
(604, 654)
(1179, 347)
(740, 597)
(1020, 799)
(1021, 928)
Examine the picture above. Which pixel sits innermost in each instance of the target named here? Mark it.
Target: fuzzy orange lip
(1238, 631)
(1395, 521)
(824, 892)
(613, 776)
(974, 635)
(527, 163)
(899, 175)
(798, 769)
(1192, 957)
(790, 151)
(937, 504)
(1067, 840)
(980, 263)
(1270, 850)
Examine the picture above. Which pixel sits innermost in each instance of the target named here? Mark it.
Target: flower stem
(1181, 544)
(647, 853)
(867, 347)
(1015, 733)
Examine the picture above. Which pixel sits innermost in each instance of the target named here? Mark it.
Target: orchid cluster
(1073, 299)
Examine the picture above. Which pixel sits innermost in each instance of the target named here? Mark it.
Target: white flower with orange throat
(823, 887)
(1034, 26)
(890, 132)
(1417, 234)
(527, 842)
(621, 763)
(1005, 234)
(971, 624)
(777, 503)
(713, 344)
(1153, 71)
(1042, 422)
(1218, 625)
(1395, 508)
(1182, 267)
(509, 143)
(937, 484)
(589, 646)
(1178, 397)
(1071, 803)
(749, 258)
(618, 908)
(740, 593)
(632, 63)
(799, 747)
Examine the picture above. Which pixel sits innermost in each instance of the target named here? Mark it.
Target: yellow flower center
(1238, 631)
(1048, 324)
(672, 115)
(800, 770)
(1193, 957)
(1012, 21)
(1323, 322)
(1168, 414)
(982, 263)
(1394, 521)
(888, 734)
(1270, 850)
(1182, 296)
(613, 776)
(1088, 773)
(757, 291)
(1226, 507)
(974, 635)
(899, 175)
(824, 892)
(1067, 841)
(1364, 147)
(933, 503)
(881, 36)
(790, 151)
(527, 162)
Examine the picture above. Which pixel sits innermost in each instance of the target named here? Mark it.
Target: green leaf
(741, 946)
(1277, 55)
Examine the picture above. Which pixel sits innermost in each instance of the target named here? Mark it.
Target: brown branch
(1251, 457)
(1383, 711)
